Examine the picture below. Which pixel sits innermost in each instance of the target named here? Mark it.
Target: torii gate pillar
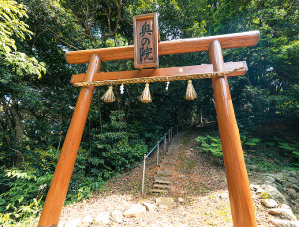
(237, 180)
(238, 185)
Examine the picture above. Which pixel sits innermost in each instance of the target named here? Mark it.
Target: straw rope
(155, 79)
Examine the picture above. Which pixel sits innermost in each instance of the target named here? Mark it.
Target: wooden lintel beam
(162, 72)
(180, 46)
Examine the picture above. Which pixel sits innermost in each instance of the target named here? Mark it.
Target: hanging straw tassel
(190, 93)
(108, 96)
(146, 95)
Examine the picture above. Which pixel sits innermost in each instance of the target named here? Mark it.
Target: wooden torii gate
(242, 209)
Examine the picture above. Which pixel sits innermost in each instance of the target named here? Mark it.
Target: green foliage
(23, 199)
(114, 150)
(249, 140)
(291, 149)
(265, 195)
(12, 26)
(36, 112)
(211, 145)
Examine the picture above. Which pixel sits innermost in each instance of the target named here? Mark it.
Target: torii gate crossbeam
(243, 213)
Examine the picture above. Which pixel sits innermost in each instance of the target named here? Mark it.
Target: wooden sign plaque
(146, 37)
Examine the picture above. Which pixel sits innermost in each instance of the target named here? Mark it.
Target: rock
(103, 218)
(135, 211)
(252, 167)
(73, 223)
(269, 179)
(274, 194)
(293, 173)
(87, 220)
(296, 188)
(285, 206)
(284, 213)
(181, 200)
(292, 193)
(280, 188)
(293, 180)
(257, 189)
(284, 223)
(165, 202)
(285, 171)
(279, 177)
(270, 203)
(223, 196)
(274, 184)
(149, 206)
(214, 196)
(287, 184)
(117, 216)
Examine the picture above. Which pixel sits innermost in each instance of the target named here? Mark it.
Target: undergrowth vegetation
(267, 152)
(24, 189)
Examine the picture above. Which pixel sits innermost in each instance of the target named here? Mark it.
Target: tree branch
(110, 34)
(5, 108)
(59, 38)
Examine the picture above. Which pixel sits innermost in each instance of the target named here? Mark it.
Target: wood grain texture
(237, 180)
(63, 172)
(152, 20)
(162, 72)
(180, 46)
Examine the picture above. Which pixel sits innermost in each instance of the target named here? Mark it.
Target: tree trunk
(18, 131)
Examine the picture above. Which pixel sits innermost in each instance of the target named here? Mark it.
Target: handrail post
(177, 130)
(169, 136)
(143, 175)
(165, 142)
(158, 154)
(64, 169)
(242, 208)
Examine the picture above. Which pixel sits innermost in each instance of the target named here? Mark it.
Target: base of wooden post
(241, 203)
(64, 169)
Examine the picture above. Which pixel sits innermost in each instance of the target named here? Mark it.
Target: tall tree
(14, 66)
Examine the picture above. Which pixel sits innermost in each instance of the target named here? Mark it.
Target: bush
(211, 145)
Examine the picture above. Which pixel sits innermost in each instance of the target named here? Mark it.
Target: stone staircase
(167, 165)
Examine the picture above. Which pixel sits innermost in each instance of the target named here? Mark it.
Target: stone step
(165, 166)
(165, 172)
(171, 153)
(170, 157)
(168, 161)
(159, 190)
(175, 142)
(174, 148)
(163, 179)
(161, 186)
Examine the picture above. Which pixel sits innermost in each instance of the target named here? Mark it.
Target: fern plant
(251, 141)
(211, 145)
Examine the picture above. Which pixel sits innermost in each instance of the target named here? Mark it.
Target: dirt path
(200, 183)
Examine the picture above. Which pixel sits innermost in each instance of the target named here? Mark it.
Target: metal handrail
(169, 133)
